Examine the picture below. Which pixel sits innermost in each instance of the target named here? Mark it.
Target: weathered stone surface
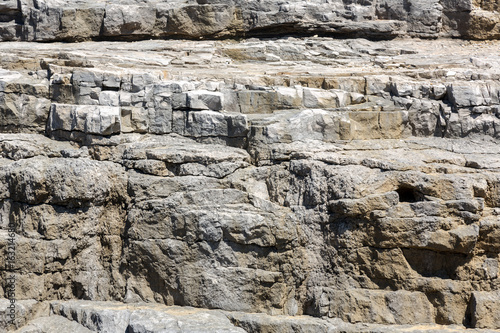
(485, 309)
(48, 324)
(125, 20)
(116, 317)
(24, 103)
(101, 120)
(87, 316)
(209, 123)
(288, 184)
(379, 306)
(76, 21)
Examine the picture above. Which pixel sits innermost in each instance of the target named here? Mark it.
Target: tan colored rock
(380, 306)
(485, 310)
(257, 101)
(320, 99)
(193, 173)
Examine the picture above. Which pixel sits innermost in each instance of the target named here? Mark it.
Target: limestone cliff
(292, 184)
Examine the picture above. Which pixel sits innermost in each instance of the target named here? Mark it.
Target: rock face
(64, 20)
(295, 184)
(91, 316)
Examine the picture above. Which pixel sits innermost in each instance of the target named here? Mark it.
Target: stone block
(111, 81)
(319, 98)
(109, 98)
(89, 119)
(376, 306)
(489, 234)
(8, 6)
(160, 117)
(124, 20)
(204, 100)
(141, 81)
(209, 123)
(289, 98)
(378, 85)
(465, 94)
(87, 78)
(485, 309)
(18, 112)
(77, 24)
(197, 21)
(356, 98)
(257, 101)
(365, 125)
(179, 101)
(136, 119)
(393, 124)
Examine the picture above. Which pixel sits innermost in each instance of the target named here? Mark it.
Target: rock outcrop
(63, 20)
(295, 184)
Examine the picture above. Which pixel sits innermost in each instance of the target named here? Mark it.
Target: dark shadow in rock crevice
(430, 263)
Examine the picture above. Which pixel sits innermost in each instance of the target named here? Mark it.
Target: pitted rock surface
(287, 184)
(64, 20)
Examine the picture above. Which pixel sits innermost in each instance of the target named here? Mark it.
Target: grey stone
(192, 172)
(123, 20)
(47, 324)
(316, 98)
(115, 317)
(209, 123)
(204, 100)
(109, 98)
(43, 180)
(56, 21)
(103, 120)
(465, 95)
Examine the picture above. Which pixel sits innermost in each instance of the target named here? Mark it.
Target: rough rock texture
(114, 317)
(65, 20)
(283, 185)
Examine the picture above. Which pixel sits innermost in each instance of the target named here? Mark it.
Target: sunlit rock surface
(292, 184)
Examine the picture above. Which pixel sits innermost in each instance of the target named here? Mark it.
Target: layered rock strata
(91, 316)
(287, 184)
(62, 20)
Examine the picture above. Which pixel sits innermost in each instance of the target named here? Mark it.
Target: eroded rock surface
(63, 20)
(293, 184)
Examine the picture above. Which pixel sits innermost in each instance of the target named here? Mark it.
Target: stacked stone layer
(287, 184)
(63, 20)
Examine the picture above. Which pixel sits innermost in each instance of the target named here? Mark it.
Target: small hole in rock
(407, 194)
